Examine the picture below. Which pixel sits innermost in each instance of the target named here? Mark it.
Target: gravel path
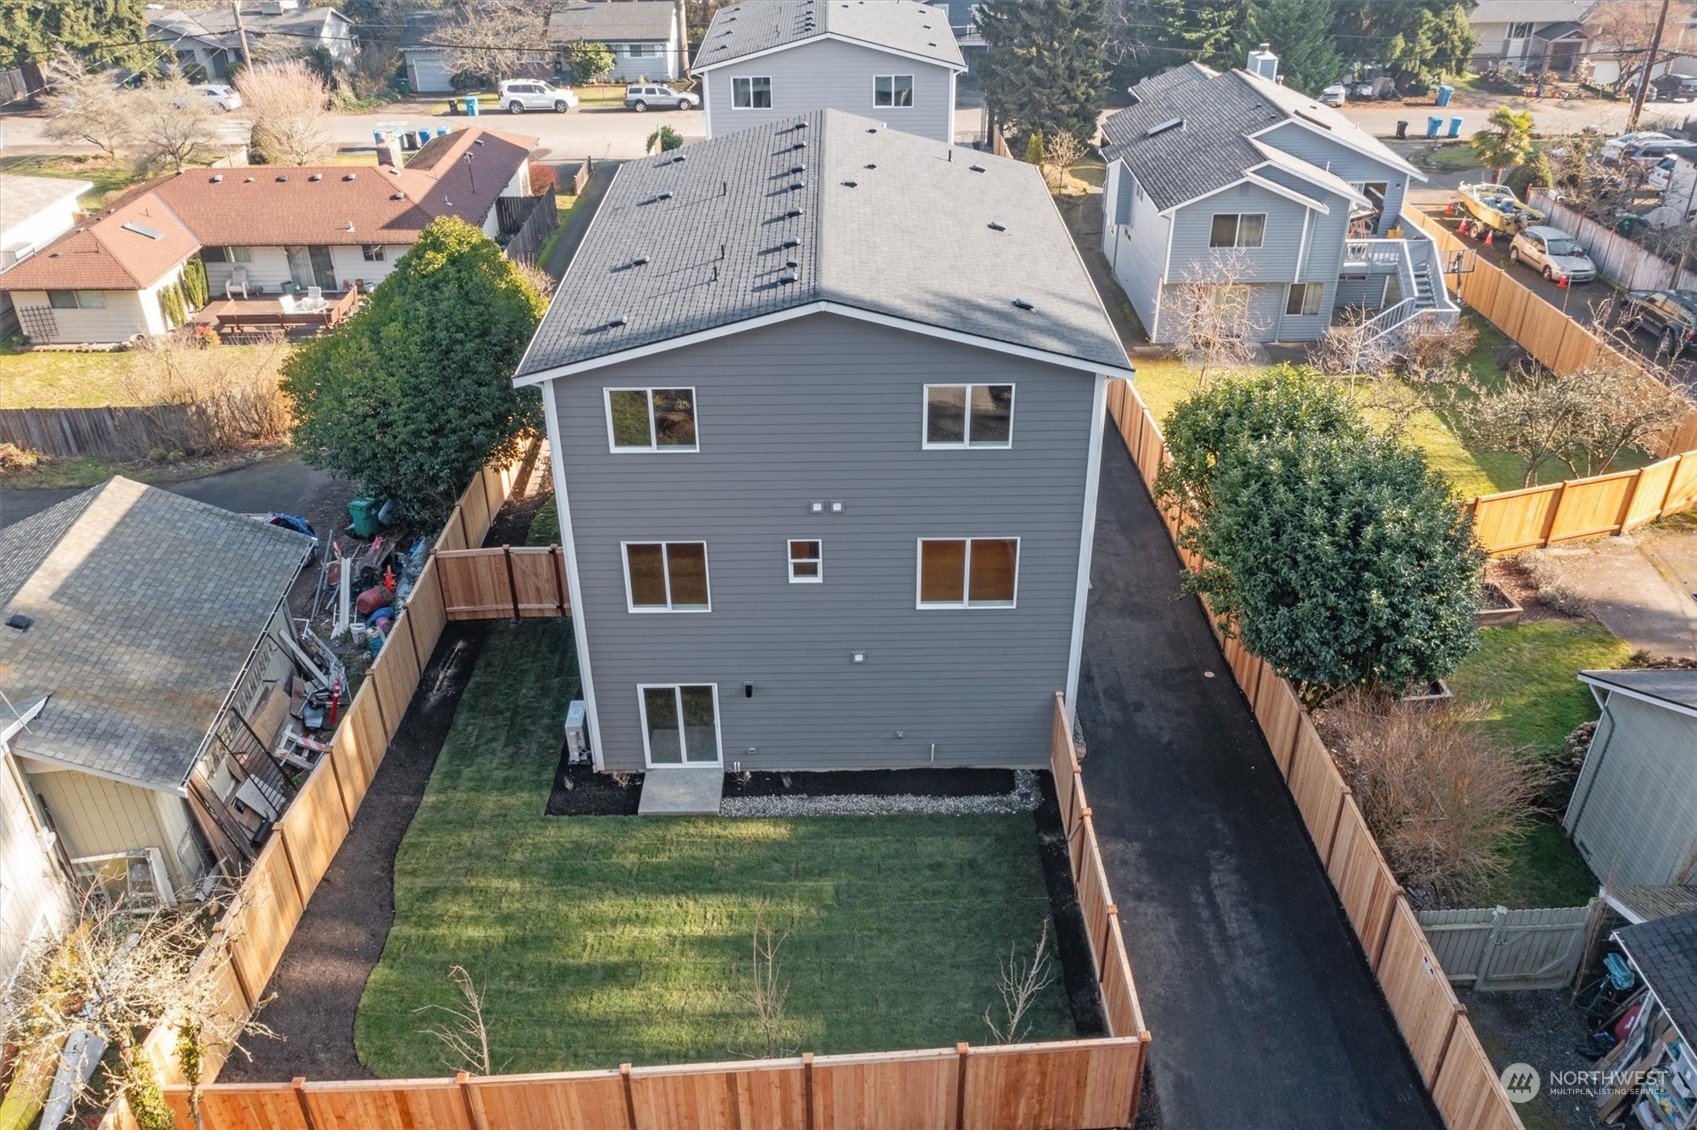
(1024, 798)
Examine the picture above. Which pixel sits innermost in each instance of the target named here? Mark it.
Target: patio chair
(315, 298)
(236, 281)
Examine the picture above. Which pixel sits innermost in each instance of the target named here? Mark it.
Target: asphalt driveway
(1263, 1008)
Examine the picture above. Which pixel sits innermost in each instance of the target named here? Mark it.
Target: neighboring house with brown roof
(148, 653)
(272, 228)
(207, 43)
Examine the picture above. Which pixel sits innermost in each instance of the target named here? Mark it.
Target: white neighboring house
(263, 229)
(33, 893)
(894, 61)
(429, 68)
(34, 211)
(642, 34)
(1227, 179)
(207, 42)
(1534, 35)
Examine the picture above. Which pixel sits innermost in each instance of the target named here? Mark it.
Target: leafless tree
(540, 281)
(1622, 29)
(1061, 152)
(495, 37)
(1428, 349)
(174, 124)
(118, 975)
(1352, 348)
(769, 989)
(1441, 798)
(92, 108)
(1210, 306)
(1585, 420)
(464, 1034)
(291, 125)
(1020, 981)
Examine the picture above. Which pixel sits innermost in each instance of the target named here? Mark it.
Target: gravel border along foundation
(1024, 798)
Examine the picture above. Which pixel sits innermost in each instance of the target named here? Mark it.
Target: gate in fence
(1496, 948)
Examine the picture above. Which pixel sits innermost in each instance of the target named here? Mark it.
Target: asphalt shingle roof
(1209, 147)
(1676, 687)
(762, 25)
(1665, 952)
(145, 606)
(851, 213)
(617, 20)
(22, 198)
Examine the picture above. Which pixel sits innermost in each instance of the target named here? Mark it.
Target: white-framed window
(643, 50)
(807, 561)
(1520, 31)
(892, 90)
(1304, 298)
(226, 254)
(968, 572)
(680, 723)
(1238, 229)
(651, 419)
(968, 416)
(374, 252)
(77, 299)
(666, 576)
(751, 93)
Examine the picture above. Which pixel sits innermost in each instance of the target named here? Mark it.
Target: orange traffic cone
(1490, 237)
(1562, 281)
(1449, 209)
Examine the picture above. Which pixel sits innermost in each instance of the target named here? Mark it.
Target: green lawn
(599, 940)
(59, 379)
(108, 177)
(1528, 674)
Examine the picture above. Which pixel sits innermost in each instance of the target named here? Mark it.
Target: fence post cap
(963, 1048)
(462, 1077)
(297, 1082)
(806, 1057)
(1085, 811)
(1111, 908)
(624, 1069)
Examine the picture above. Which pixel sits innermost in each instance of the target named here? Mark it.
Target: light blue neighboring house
(1230, 179)
(826, 405)
(895, 61)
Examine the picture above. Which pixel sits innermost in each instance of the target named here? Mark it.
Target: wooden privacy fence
(1628, 265)
(1074, 1083)
(1536, 517)
(1498, 948)
(115, 433)
(521, 582)
(267, 907)
(1433, 1022)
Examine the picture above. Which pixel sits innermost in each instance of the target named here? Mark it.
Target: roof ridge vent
(1163, 127)
(997, 225)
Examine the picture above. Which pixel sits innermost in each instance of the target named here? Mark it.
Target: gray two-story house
(1229, 179)
(894, 61)
(826, 403)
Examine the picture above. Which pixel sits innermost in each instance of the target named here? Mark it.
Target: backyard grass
(599, 940)
(1528, 675)
(108, 177)
(65, 379)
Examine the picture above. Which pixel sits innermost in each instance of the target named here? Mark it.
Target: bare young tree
(1061, 151)
(1622, 30)
(769, 989)
(291, 125)
(1020, 981)
(1585, 420)
(1211, 309)
(116, 976)
(174, 124)
(92, 108)
(1352, 348)
(1429, 350)
(464, 1035)
(495, 37)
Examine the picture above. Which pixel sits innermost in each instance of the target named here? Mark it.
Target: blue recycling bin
(1455, 127)
(1433, 125)
(471, 105)
(441, 131)
(379, 136)
(1445, 93)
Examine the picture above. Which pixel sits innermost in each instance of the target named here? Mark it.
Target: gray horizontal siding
(1634, 808)
(1350, 164)
(826, 409)
(832, 75)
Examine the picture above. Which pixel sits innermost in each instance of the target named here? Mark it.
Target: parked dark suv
(1674, 88)
(1669, 314)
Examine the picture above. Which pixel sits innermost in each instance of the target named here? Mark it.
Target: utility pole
(680, 12)
(247, 59)
(1649, 65)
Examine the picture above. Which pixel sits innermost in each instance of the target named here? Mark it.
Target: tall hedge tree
(413, 394)
(1044, 64)
(1336, 554)
(105, 32)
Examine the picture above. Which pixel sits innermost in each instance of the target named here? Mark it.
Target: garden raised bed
(1497, 609)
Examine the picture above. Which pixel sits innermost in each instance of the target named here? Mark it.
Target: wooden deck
(241, 316)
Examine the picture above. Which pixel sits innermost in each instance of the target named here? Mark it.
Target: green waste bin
(362, 515)
(1626, 225)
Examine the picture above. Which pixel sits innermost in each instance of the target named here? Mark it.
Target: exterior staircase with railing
(1414, 262)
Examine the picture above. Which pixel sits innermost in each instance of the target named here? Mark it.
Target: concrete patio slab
(684, 790)
(1633, 585)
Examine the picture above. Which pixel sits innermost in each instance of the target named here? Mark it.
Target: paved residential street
(1264, 1012)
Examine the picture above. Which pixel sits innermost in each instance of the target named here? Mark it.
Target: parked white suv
(221, 96)
(1615, 147)
(1552, 251)
(521, 94)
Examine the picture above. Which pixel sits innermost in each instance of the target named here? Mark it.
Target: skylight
(139, 229)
